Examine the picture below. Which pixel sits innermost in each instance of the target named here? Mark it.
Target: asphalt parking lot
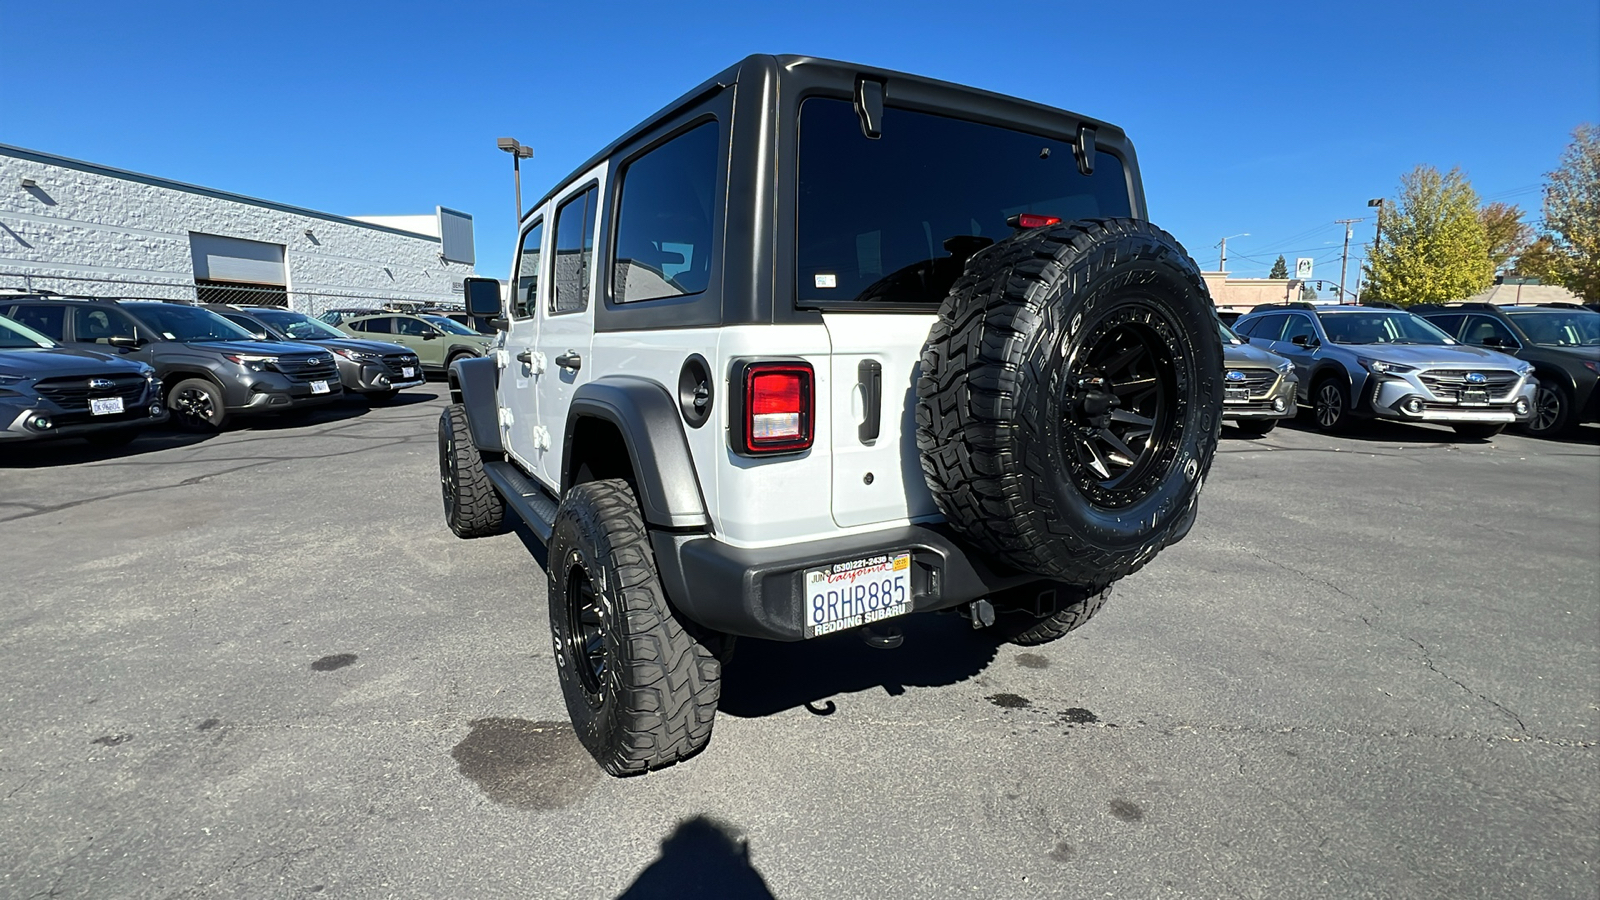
(259, 665)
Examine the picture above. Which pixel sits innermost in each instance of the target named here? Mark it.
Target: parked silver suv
(1364, 361)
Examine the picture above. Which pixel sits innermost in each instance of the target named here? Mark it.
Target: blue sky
(1268, 118)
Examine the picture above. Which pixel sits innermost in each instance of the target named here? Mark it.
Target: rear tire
(197, 406)
(1256, 427)
(1075, 606)
(1478, 431)
(641, 690)
(472, 507)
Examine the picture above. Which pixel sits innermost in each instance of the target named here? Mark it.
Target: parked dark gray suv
(211, 368)
(50, 391)
(375, 369)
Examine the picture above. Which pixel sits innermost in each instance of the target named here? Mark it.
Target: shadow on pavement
(701, 858)
(768, 677)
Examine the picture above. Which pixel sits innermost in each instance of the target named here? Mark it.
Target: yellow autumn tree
(1434, 247)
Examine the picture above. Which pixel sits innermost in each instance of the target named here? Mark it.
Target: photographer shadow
(701, 858)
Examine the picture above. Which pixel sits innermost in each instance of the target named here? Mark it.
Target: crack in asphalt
(1427, 658)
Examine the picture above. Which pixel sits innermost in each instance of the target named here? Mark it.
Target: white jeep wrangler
(818, 346)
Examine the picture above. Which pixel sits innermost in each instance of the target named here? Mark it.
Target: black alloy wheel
(587, 643)
(1120, 427)
(196, 405)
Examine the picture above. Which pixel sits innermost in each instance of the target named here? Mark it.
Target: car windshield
(1558, 327)
(450, 325)
(19, 337)
(1380, 328)
(188, 323)
(893, 220)
(300, 326)
(1228, 337)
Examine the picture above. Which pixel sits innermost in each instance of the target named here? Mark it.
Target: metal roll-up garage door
(235, 270)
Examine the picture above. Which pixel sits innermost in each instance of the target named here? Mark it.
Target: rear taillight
(776, 413)
(1032, 220)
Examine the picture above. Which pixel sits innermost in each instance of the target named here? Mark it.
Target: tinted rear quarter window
(50, 321)
(893, 220)
(664, 221)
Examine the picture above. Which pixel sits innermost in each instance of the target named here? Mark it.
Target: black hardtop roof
(763, 67)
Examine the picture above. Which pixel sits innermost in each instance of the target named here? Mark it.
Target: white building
(78, 228)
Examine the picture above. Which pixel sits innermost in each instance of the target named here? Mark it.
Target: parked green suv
(436, 340)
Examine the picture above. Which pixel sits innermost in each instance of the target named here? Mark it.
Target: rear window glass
(893, 220)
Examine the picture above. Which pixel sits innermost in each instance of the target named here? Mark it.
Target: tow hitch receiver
(883, 637)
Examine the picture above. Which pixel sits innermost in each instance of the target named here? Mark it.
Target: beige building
(1243, 294)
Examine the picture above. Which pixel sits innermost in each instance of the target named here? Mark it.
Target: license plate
(856, 593)
(1236, 395)
(407, 372)
(319, 387)
(1475, 397)
(105, 406)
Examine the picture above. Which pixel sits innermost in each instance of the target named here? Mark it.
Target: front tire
(1478, 431)
(1330, 409)
(1552, 411)
(472, 507)
(197, 406)
(641, 690)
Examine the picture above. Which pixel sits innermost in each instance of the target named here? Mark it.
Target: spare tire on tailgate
(1070, 398)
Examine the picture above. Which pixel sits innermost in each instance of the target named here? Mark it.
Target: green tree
(1434, 247)
(1508, 235)
(1280, 269)
(1572, 216)
(1537, 260)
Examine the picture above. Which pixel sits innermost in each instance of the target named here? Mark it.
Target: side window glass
(1299, 326)
(664, 219)
(49, 321)
(1243, 329)
(526, 302)
(356, 326)
(1486, 332)
(100, 325)
(413, 327)
(1450, 325)
(377, 326)
(574, 252)
(1270, 328)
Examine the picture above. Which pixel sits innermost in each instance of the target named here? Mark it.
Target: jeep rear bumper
(760, 593)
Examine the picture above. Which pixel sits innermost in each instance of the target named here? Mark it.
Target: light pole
(1222, 263)
(519, 152)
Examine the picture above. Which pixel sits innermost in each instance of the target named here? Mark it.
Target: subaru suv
(211, 368)
(1370, 362)
(436, 340)
(373, 369)
(50, 391)
(1560, 340)
(1258, 386)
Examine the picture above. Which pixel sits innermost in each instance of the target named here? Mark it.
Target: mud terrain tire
(472, 507)
(641, 690)
(1070, 398)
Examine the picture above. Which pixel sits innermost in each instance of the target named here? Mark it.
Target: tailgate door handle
(870, 376)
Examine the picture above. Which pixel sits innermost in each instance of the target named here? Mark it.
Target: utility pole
(1344, 261)
(1222, 261)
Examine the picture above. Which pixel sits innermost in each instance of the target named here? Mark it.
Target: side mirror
(430, 335)
(483, 297)
(124, 341)
(1307, 341)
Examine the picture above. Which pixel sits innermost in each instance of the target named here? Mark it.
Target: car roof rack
(1563, 304)
(1283, 304)
(1380, 304)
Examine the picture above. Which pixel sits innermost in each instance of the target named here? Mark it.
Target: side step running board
(526, 498)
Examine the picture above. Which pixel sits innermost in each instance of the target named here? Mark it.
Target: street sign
(1302, 267)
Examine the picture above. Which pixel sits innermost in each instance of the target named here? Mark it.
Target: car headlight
(355, 355)
(1381, 367)
(251, 362)
(1525, 371)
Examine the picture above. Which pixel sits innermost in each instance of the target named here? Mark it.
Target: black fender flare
(473, 384)
(647, 417)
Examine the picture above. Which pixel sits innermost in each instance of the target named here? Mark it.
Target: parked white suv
(818, 346)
